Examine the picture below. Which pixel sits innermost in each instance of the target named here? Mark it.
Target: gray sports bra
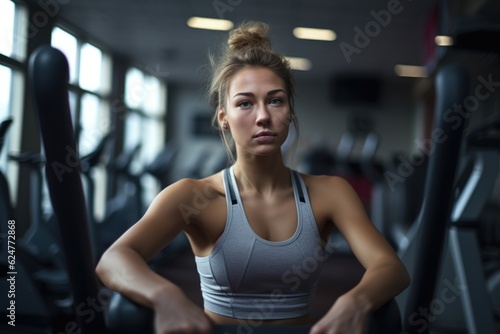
(249, 277)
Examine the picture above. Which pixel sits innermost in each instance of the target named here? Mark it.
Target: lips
(264, 137)
(264, 134)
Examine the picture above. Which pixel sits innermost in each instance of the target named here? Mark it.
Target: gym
(103, 104)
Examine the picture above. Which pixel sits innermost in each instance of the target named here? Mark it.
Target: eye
(244, 104)
(276, 101)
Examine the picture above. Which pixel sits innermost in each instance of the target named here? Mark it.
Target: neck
(262, 175)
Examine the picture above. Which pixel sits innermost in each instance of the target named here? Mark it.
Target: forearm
(123, 270)
(380, 283)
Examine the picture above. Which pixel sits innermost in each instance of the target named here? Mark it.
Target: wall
(185, 102)
(323, 121)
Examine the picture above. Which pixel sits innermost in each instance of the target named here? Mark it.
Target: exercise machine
(36, 308)
(423, 262)
(463, 262)
(123, 209)
(41, 239)
(5, 203)
(443, 255)
(161, 166)
(450, 290)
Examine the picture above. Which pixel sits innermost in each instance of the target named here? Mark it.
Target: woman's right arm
(123, 267)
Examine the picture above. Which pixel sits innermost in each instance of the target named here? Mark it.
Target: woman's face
(257, 111)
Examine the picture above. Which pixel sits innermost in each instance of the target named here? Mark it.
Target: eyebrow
(271, 92)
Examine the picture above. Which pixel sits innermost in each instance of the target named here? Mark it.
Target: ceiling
(154, 34)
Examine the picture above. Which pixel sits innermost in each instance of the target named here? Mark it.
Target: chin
(267, 152)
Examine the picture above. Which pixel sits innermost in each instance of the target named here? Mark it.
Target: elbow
(102, 268)
(113, 267)
(399, 274)
(405, 278)
(408, 279)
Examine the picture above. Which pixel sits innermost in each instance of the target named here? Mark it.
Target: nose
(263, 116)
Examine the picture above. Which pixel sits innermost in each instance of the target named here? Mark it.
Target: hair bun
(248, 36)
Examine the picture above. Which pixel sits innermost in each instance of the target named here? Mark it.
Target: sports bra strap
(229, 185)
(299, 186)
(232, 195)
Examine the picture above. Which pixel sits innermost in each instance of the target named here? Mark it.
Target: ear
(221, 116)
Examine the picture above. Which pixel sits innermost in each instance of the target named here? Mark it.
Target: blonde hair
(247, 46)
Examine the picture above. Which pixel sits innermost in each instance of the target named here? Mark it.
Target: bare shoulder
(332, 199)
(329, 185)
(332, 193)
(186, 190)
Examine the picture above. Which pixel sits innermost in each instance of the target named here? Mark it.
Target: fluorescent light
(410, 71)
(300, 64)
(443, 40)
(314, 34)
(209, 24)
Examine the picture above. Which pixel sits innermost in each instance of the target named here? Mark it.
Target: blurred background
(139, 71)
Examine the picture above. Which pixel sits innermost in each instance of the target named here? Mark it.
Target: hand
(175, 313)
(347, 316)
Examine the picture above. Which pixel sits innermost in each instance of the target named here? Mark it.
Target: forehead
(255, 80)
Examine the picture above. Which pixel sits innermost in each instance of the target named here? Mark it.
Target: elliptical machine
(5, 203)
(36, 304)
(122, 210)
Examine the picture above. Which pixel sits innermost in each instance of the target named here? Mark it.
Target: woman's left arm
(385, 275)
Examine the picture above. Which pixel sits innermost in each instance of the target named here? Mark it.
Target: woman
(257, 229)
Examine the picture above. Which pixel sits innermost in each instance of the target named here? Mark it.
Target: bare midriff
(223, 320)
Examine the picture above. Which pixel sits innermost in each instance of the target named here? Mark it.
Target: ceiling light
(300, 64)
(314, 34)
(443, 40)
(410, 71)
(209, 24)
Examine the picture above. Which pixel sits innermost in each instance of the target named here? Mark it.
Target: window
(94, 69)
(145, 95)
(13, 26)
(11, 97)
(90, 76)
(94, 122)
(68, 44)
(90, 79)
(13, 40)
(5, 85)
